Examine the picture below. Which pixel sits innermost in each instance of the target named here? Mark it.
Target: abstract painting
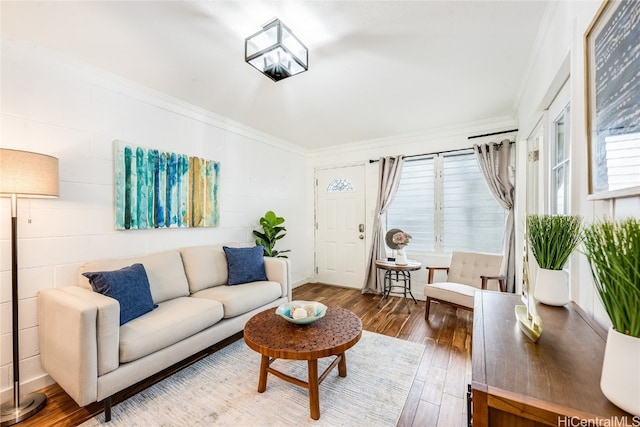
(159, 189)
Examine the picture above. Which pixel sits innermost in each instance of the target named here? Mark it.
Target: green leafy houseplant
(272, 231)
(553, 238)
(613, 251)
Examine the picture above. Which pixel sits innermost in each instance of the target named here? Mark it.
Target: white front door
(340, 222)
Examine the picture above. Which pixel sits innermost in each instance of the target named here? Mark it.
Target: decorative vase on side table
(396, 240)
(401, 257)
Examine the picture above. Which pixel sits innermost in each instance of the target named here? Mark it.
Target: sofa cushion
(245, 265)
(129, 286)
(457, 293)
(205, 266)
(165, 272)
(243, 298)
(172, 321)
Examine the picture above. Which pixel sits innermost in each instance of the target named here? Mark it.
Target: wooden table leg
(314, 396)
(264, 366)
(342, 365)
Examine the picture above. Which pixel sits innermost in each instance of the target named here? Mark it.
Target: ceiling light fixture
(276, 52)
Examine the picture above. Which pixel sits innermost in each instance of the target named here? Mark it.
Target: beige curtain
(494, 163)
(390, 170)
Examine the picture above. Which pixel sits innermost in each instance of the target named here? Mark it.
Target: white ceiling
(377, 68)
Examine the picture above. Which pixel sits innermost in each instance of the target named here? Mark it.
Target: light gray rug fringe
(221, 390)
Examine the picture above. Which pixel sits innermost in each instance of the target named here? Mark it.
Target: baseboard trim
(26, 387)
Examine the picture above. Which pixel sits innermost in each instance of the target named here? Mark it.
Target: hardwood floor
(437, 396)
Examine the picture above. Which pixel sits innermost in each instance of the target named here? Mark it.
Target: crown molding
(450, 131)
(99, 77)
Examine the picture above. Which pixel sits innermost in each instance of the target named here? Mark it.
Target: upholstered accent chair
(467, 273)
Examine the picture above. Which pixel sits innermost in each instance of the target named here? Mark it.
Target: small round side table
(402, 274)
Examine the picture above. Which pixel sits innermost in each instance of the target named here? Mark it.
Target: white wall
(55, 105)
(560, 54)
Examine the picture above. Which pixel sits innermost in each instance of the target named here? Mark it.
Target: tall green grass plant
(553, 238)
(613, 251)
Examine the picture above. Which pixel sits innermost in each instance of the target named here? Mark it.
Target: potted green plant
(613, 251)
(272, 231)
(552, 239)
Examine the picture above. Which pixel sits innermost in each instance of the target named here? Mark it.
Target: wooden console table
(554, 382)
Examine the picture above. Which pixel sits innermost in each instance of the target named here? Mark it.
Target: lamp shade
(276, 52)
(28, 174)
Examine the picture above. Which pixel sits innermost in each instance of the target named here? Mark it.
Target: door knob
(361, 236)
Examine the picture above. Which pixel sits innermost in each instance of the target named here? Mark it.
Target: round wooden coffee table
(275, 338)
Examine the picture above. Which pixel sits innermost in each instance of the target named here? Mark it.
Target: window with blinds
(472, 219)
(412, 209)
(444, 203)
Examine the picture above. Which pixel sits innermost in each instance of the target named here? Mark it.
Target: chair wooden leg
(426, 310)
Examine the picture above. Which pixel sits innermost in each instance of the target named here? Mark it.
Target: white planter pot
(620, 380)
(401, 257)
(552, 287)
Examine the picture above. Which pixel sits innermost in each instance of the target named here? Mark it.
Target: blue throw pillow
(129, 285)
(245, 264)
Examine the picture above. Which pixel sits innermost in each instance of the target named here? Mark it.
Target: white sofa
(86, 351)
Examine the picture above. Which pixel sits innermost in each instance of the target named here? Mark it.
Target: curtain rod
(441, 152)
(494, 133)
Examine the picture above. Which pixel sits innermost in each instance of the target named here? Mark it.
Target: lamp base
(29, 405)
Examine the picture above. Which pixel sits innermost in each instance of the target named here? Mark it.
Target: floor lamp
(26, 175)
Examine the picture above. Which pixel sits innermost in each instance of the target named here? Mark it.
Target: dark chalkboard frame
(599, 125)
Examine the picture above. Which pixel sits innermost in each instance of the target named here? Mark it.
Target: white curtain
(388, 180)
(494, 163)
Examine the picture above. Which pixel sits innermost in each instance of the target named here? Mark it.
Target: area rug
(221, 390)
